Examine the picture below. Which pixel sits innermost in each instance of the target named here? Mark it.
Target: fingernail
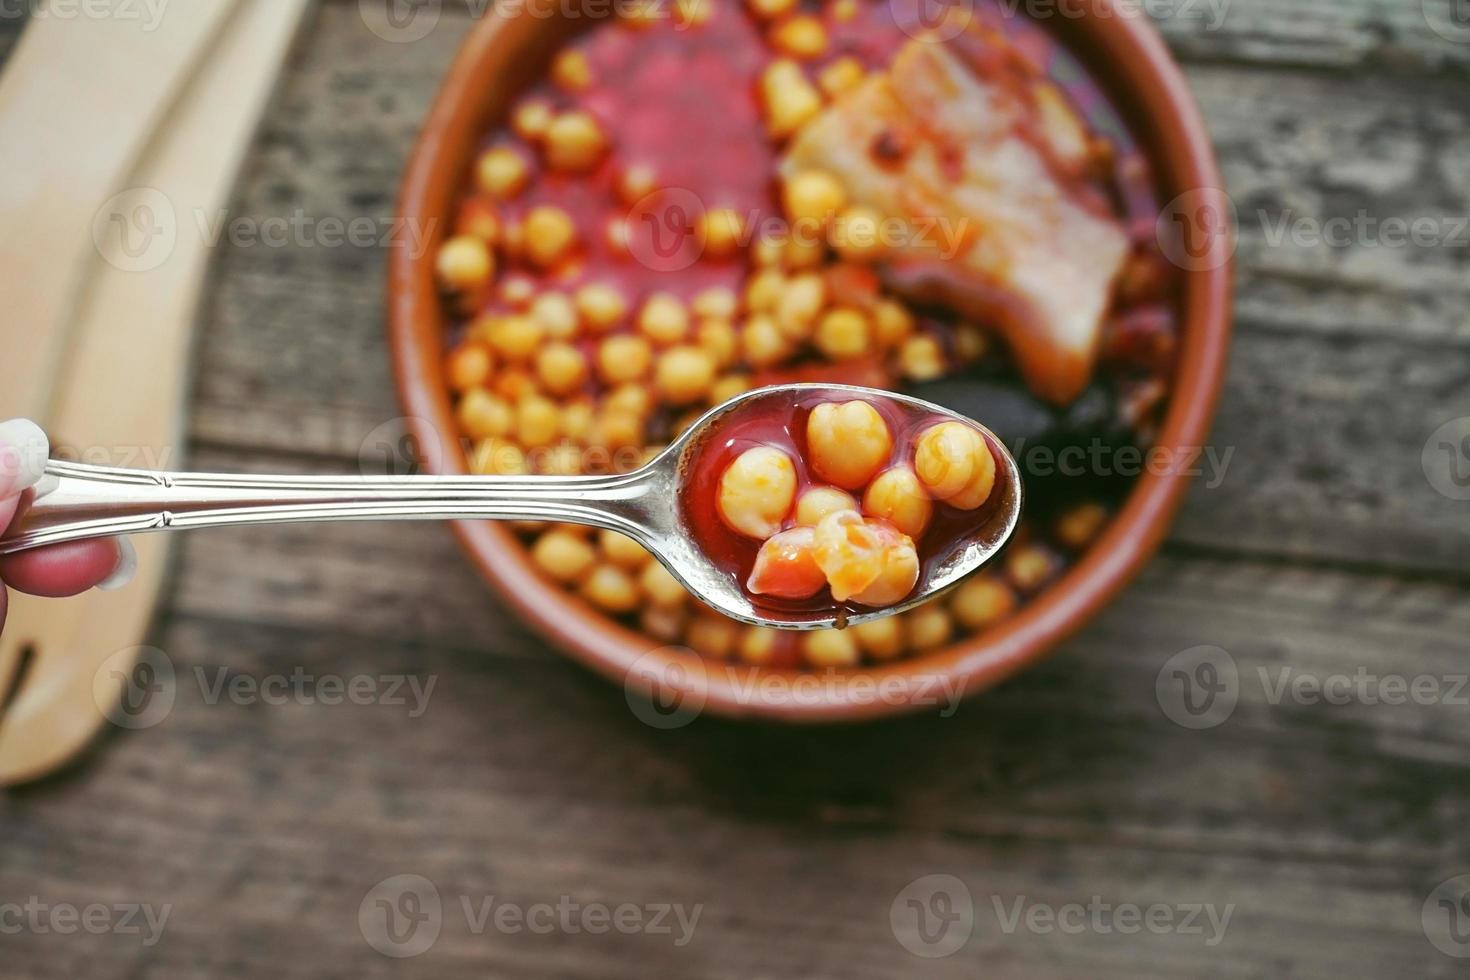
(24, 450)
(126, 568)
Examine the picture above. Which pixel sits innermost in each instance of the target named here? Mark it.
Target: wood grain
(1323, 552)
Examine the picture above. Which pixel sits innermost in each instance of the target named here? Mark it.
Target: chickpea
(768, 250)
(921, 358)
(757, 491)
(758, 645)
(843, 333)
(663, 624)
(602, 307)
(513, 239)
(850, 551)
(857, 234)
(801, 36)
(617, 236)
(712, 635)
(550, 235)
(632, 398)
(830, 648)
(728, 387)
(489, 458)
(982, 601)
(952, 458)
(848, 442)
(514, 383)
(531, 120)
(576, 421)
(786, 566)
(684, 374)
(464, 263)
(483, 416)
(813, 197)
(898, 573)
(970, 343)
(1079, 526)
(804, 253)
(816, 503)
(801, 302)
(929, 626)
(561, 367)
(616, 430)
(479, 218)
(664, 319)
(574, 142)
(764, 290)
(881, 639)
(469, 366)
(661, 587)
(717, 339)
(790, 99)
(624, 357)
(770, 9)
(557, 314)
(892, 323)
(537, 421)
(501, 172)
(720, 232)
(715, 303)
(763, 342)
(562, 459)
(516, 337)
(898, 497)
(636, 182)
(517, 290)
(612, 589)
(622, 550)
(570, 71)
(841, 76)
(1028, 566)
(564, 556)
(982, 482)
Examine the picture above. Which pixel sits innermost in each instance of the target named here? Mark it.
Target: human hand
(63, 569)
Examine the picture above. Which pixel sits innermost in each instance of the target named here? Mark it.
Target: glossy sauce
(785, 429)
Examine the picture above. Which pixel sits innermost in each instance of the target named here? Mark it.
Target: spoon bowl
(679, 547)
(75, 502)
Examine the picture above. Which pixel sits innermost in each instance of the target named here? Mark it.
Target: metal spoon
(76, 501)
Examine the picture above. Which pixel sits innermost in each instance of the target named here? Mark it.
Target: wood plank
(528, 779)
(1382, 36)
(1385, 36)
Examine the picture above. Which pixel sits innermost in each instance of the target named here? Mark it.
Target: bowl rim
(1129, 58)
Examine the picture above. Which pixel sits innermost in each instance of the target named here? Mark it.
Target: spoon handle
(77, 501)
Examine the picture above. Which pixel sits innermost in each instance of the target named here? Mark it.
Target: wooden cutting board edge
(84, 651)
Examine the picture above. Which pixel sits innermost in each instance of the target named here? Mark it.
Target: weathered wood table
(1094, 836)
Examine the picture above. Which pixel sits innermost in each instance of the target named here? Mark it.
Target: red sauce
(784, 428)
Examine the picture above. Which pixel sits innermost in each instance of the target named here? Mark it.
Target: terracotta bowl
(1129, 60)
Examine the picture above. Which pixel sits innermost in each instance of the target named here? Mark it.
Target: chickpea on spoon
(794, 507)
